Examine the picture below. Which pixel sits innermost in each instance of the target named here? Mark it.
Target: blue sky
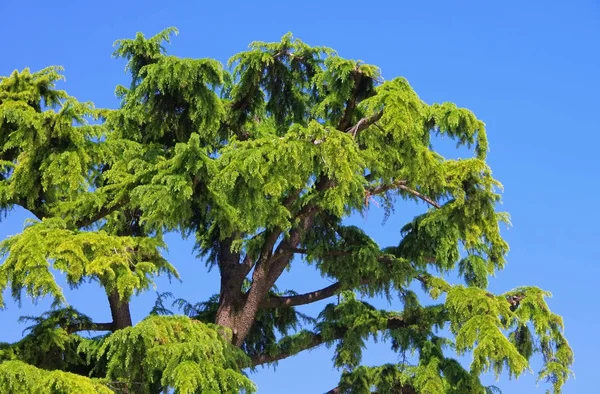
(529, 70)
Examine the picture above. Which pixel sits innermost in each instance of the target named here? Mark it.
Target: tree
(261, 162)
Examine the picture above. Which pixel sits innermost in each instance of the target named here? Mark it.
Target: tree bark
(89, 327)
(301, 299)
(231, 305)
(237, 310)
(231, 298)
(119, 310)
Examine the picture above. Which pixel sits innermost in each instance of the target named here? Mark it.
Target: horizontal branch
(405, 389)
(301, 299)
(316, 339)
(73, 328)
(102, 213)
(306, 298)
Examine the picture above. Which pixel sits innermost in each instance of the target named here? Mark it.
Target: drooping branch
(419, 195)
(312, 340)
(401, 184)
(106, 210)
(335, 288)
(364, 123)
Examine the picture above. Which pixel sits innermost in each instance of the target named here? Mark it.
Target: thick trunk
(239, 321)
(238, 311)
(231, 297)
(119, 310)
(232, 305)
(226, 316)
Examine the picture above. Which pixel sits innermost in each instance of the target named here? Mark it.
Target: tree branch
(73, 328)
(39, 213)
(316, 339)
(351, 102)
(364, 123)
(105, 211)
(284, 252)
(385, 187)
(301, 299)
(401, 184)
(419, 195)
(272, 263)
(405, 389)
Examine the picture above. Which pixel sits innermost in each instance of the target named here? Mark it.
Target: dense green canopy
(261, 162)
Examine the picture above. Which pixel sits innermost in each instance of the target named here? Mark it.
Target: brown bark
(231, 305)
(364, 123)
(302, 299)
(401, 184)
(231, 298)
(306, 298)
(237, 311)
(351, 102)
(401, 390)
(119, 310)
(89, 327)
(102, 213)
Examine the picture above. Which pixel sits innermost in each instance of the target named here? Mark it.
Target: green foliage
(262, 160)
(124, 264)
(49, 344)
(548, 327)
(19, 377)
(46, 144)
(280, 72)
(359, 321)
(477, 319)
(175, 352)
(141, 51)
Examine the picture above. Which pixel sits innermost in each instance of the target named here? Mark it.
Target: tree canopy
(261, 162)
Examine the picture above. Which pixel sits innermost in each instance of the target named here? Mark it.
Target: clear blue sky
(529, 69)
